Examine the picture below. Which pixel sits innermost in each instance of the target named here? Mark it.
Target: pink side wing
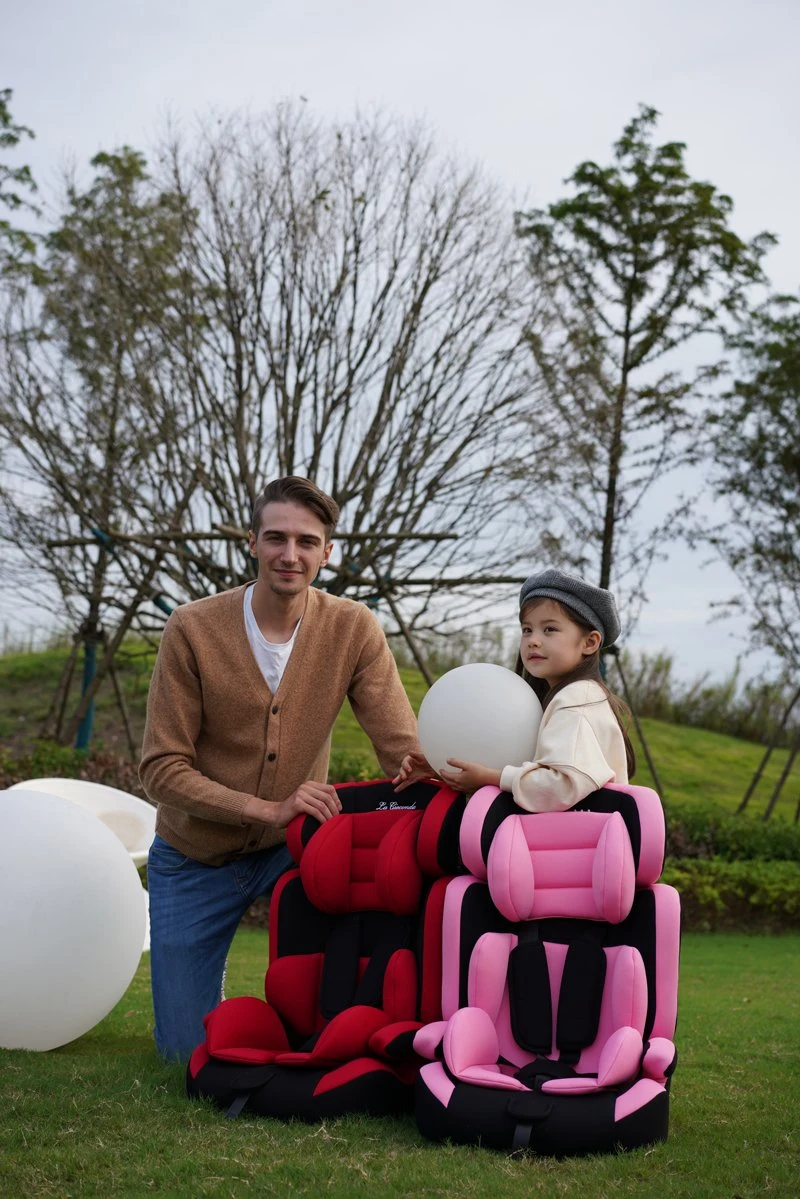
(619, 1062)
(668, 933)
(429, 1038)
(472, 828)
(488, 972)
(437, 1082)
(636, 1097)
(613, 871)
(451, 942)
(625, 998)
(509, 870)
(651, 820)
(624, 1001)
(471, 1052)
(659, 1059)
(470, 1040)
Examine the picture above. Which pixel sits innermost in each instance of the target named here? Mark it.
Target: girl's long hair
(589, 668)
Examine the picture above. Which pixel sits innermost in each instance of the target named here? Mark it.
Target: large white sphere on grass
(479, 713)
(133, 820)
(72, 920)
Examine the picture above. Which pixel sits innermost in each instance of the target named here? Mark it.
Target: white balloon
(479, 713)
(72, 920)
(133, 820)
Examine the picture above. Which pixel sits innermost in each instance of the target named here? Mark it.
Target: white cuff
(509, 776)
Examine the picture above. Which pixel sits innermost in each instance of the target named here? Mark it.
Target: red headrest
(364, 862)
(439, 807)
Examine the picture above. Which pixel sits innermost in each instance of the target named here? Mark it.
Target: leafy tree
(754, 434)
(16, 187)
(636, 263)
(86, 429)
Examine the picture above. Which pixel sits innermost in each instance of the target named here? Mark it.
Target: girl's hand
(469, 776)
(415, 766)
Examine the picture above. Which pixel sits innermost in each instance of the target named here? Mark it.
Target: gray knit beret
(594, 604)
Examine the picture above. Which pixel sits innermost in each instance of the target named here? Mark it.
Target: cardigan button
(271, 757)
(275, 710)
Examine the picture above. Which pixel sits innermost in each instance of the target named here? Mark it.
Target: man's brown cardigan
(216, 735)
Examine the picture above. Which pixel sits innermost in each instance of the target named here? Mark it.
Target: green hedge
(47, 759)
(352, 766)
(716, 894)
(711, 832)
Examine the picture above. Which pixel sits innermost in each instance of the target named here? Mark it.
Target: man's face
(290, 547)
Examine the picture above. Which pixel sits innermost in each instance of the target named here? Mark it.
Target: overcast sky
(527, 88)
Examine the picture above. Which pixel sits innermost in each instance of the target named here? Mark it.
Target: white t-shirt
(271, 658)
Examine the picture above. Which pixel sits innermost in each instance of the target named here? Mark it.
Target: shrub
(716, 895)
(352, 766)
(48, 759)
(706, 832)
(751, 710)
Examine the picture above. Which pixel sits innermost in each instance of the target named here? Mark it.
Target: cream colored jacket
(579, 749)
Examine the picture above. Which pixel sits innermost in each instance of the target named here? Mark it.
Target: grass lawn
(102, 1117)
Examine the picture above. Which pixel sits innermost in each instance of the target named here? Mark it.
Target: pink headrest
(570, 864)
(639, 807)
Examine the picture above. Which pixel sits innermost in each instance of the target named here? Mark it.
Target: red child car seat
(559, 980)
(354, 963)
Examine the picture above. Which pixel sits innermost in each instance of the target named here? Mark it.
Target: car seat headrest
(364, 862)
(562, 864)
(639, 808)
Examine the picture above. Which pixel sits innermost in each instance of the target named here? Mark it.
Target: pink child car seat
(559, 981)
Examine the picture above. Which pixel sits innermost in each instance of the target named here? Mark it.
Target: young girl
(582, 744)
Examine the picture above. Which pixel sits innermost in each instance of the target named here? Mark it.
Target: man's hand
(415, 766)
(469, 776)
(311, 799)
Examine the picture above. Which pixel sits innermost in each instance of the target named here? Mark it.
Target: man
(246, 688)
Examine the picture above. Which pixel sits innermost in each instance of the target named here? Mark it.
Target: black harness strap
(580, 996)
(543, 1069)
(237, 1106)
(521, 1139)
(397, 935)
(340, 966)
(339, 986)
(247, 1080)
(526, 1111)
(529, 992)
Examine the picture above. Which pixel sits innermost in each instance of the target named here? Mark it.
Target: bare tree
(353, 314)
(286, 296)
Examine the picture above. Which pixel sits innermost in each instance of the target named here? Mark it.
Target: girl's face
(551, 645)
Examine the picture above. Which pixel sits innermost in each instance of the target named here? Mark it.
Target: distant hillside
(694, 765)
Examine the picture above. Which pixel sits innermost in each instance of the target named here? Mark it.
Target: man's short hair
(294, 489)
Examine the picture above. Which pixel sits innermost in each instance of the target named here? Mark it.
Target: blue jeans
(194, 913)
